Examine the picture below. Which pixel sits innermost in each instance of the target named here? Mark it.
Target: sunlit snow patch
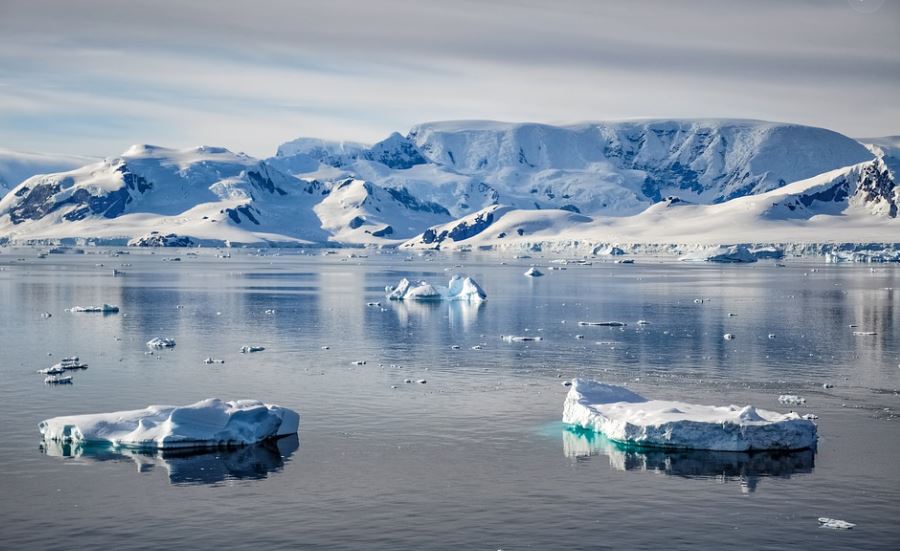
(208, 423)
(624, 416)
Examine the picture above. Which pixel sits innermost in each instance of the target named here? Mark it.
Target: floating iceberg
(104, 309)
(835, 524)
(208, 423)
(735, 253)
(58, 380)
(525, 338)
(161, 342)
(626, 417)
(459, 288)
(603, 323)
(534, 272)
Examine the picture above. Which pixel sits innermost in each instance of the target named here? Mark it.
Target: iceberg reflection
(745, 468)
(190, 467)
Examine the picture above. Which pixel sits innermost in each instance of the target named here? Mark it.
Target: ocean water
(476, 457)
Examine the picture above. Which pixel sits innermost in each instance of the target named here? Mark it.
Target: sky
(92, 77)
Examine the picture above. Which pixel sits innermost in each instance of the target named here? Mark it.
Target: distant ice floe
(603, 323)
(835, 524)
(104, 309)
(208, 423)
(626, 417)
(249, 349)
(459, 288)
(525, 338)
(791, 399)
(58, 380)
(534, 272)
(161, 342)
(734, 253)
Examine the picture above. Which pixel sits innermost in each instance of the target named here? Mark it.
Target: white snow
(626, 417)
(208, 423)
(459, 288)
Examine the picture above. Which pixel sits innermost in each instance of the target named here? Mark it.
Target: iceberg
(249, 349)
(58, 380)
(602, 323)
(735, 253)
(626, 417)
(534, 272)
(459, 288)
(104, 309)
(208, 423)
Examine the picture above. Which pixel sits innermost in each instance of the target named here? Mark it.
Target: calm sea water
(475, 458)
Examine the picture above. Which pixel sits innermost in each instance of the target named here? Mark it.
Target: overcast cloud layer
(93, 76)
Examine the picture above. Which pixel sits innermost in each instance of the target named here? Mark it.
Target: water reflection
(745, 468)
(190, 467)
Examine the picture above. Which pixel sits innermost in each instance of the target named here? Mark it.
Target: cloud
(92, 76)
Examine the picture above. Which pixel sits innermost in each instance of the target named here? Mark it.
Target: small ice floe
(771, 335)
(179, 306)
(58, 380)
(55, 369)
(698, 301)
(731, 314)
(161, 342)
(326, 347)
(454, 347)
(643, 322)
(208, 423)
(791, 399)
(566, 383)
(534, 272)
(603, 323)
(104, 309)
(579, 337)
(46, 315)
(270, 311)
(477, 347)
(624, 261)
(358, 362)
(728, 336)
(827, 385)
(835, 524)
(627, 417)
(810, 416)
(459, 288)
(421, 381)
(213, 361)
(248, 349)
(864, 333)
(517, 338)
(373, 304)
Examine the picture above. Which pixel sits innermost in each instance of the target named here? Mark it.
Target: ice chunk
(791, 399)
(603, 323)
(835, 524)
(735, 253)
(728, 336)
(161, 342)
(626, 417)
(459, 288)
(104, 309)
(526, 338)
(208, 423)
(58, 380)
(213, 361)
(534, 272)
(248, 349)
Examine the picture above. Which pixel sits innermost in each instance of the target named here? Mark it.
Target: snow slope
(853, 204)
(16, 166)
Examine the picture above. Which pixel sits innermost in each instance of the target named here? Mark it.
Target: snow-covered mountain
(207, 194)
(16, 166)
(483, 184)
(613, 168)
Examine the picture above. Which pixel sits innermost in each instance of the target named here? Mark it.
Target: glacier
(207, 423)
(627, 417)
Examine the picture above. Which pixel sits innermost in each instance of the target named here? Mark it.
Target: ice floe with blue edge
(459, 288)
(627, 417)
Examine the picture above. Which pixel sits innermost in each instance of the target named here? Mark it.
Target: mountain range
(475, 184)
